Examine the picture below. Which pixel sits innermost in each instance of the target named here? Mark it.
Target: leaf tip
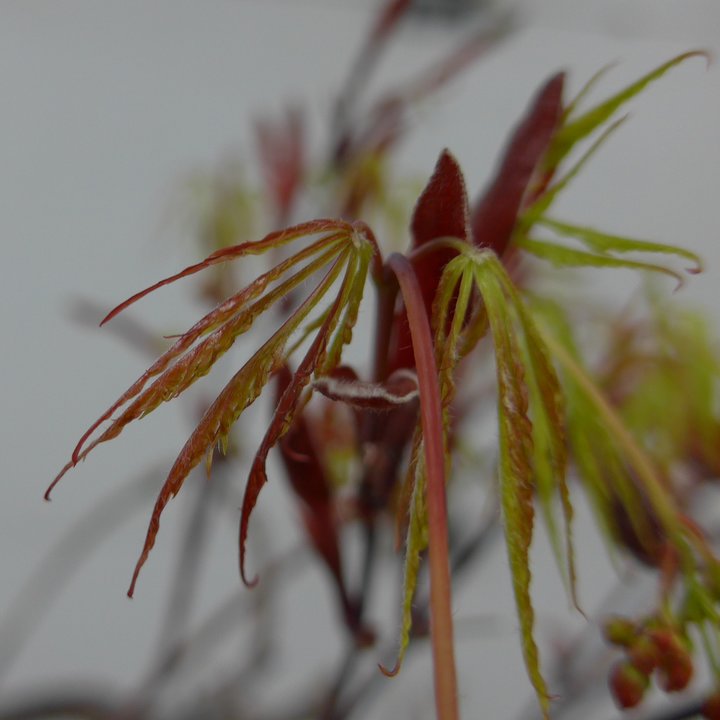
(575, 604)
(703, 53)
(57, 479)
(680, 282)
(133, 582)
(248, 583)
(393, 671)
(241, 562)
(122, 306)
(77, 450)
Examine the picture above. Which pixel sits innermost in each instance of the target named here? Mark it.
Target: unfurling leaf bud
(627, 684)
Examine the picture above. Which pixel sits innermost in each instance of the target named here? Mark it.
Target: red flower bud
(627, 685)
(666, 641)
(676, 671)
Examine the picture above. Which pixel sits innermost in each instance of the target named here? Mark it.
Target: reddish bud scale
(440, 212)
(400, 388)
(495, 214)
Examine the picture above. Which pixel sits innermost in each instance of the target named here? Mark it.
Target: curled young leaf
(242, 390)
(341, 246)
(401, 387)
(188, 360)
(276, 239)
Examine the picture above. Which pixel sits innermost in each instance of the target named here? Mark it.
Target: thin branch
(89, 705)
(225, 618)
(184, 585)
(330, 709)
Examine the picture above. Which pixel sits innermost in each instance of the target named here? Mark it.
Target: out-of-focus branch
(64, 559)
(82, 705)
(462, 553)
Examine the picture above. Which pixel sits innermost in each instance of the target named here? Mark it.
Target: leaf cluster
(460, 291)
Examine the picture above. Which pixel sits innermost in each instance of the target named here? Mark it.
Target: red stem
(441, 623)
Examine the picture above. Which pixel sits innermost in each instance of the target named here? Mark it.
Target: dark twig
(132, 333)
(184, 585)
(85, 705)
(345, 674)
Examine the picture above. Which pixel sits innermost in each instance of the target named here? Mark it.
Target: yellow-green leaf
(516, 458)
(578, 128)
(562, 256)
(637, 482)
(416, 542)
(535, 211)
(602, 242)
(549, 442)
